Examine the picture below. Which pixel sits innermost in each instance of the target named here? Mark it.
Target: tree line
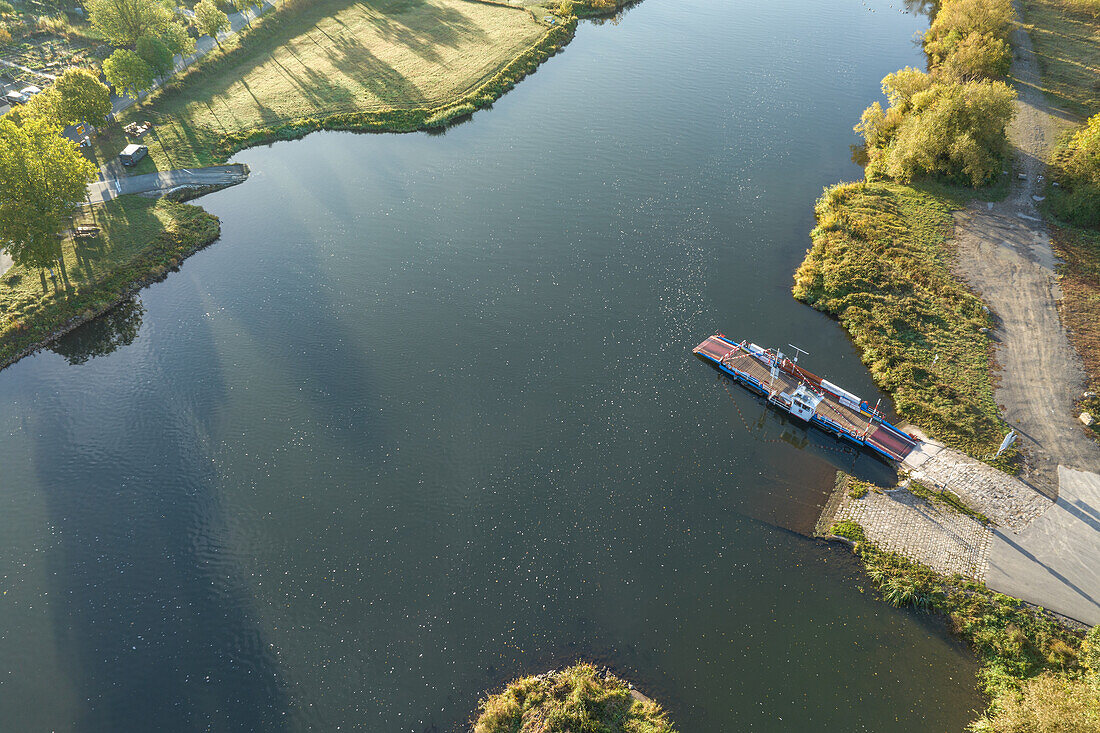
(951, 120)
(43, 176)
(147, 35)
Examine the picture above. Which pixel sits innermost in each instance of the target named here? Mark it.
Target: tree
(241, 6)
(128, 73)
(210, 20)
(995, 18)
(1077, 198)
(123, 22)
(81, 97)
(178, 40)
(970, 57)
(156, 53)
(43, 177)
(948, 129)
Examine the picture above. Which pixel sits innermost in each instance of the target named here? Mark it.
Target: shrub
(849, 530)
(6, 8)
(968, 39)
(5, 36)
(1077, 168)
(1046, 703)
(937, 128)
(1087, 6)
(444, 116)
(58, 24)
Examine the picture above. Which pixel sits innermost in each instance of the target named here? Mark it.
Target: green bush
(1076, 168)
(444, 116)
(6, 8)
(969, 39)
(932, 127)
(849, 530)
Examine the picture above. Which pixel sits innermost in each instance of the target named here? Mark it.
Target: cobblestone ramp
(944, 540)
(1055, 561)
(1009, 502)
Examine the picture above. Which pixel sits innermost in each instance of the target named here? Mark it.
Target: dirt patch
(1005, 253)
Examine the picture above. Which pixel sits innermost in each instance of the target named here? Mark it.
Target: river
(426, 418)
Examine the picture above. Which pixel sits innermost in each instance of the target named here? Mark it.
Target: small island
(579, 699)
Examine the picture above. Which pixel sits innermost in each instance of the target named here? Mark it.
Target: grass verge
(945, 498)
(385, 65)
(576, 700)
(1079, 250)
(139, 241)
(1066, 37)
(1022, 650)
(880, 263)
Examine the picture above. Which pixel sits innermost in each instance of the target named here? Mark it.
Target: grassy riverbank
(139, 241)
(1039, 674)
(881, 263)
(333, 64)
(388, 65)
(575, 700)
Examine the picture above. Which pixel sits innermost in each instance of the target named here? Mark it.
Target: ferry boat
(806, 396)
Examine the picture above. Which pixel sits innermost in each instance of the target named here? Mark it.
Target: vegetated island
(579, 699)
(391, 66)
(882, 260)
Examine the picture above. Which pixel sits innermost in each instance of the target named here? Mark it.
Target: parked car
(13, 98)
(132, 154)
(30, 91)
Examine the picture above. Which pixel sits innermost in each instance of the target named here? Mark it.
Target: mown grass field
(333, 57)
(139, 238)
(881, 263)
(1066, 37)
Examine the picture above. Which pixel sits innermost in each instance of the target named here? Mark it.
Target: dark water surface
(426, 418)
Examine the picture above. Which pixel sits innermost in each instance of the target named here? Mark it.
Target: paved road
(1055, 561)
(218, 175)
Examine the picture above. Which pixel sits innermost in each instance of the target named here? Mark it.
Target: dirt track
(1005, 254)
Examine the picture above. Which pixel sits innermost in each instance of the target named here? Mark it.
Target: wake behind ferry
(806, 395)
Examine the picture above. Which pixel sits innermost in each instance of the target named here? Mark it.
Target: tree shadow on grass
(422, 27)
(443, 25)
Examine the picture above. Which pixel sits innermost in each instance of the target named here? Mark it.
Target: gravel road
(1006, 255)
